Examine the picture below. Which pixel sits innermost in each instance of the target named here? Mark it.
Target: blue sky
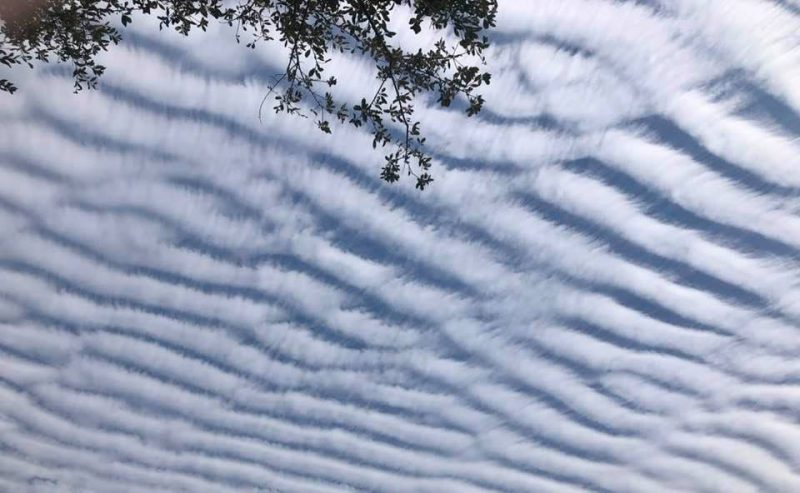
(599, 292)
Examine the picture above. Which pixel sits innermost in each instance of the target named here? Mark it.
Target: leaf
(7, 86)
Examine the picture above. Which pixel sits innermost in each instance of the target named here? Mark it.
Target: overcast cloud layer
(598, 293)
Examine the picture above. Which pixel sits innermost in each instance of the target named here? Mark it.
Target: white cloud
(598, 293)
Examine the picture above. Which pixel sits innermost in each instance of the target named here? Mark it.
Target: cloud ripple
(599, 293)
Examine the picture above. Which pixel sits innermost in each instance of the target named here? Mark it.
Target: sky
(599, 292)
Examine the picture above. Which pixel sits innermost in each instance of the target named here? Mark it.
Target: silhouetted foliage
(75, 31)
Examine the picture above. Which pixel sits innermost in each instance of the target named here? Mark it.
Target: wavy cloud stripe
(599, 293)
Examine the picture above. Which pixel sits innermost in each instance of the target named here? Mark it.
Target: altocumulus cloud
(599, 293)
